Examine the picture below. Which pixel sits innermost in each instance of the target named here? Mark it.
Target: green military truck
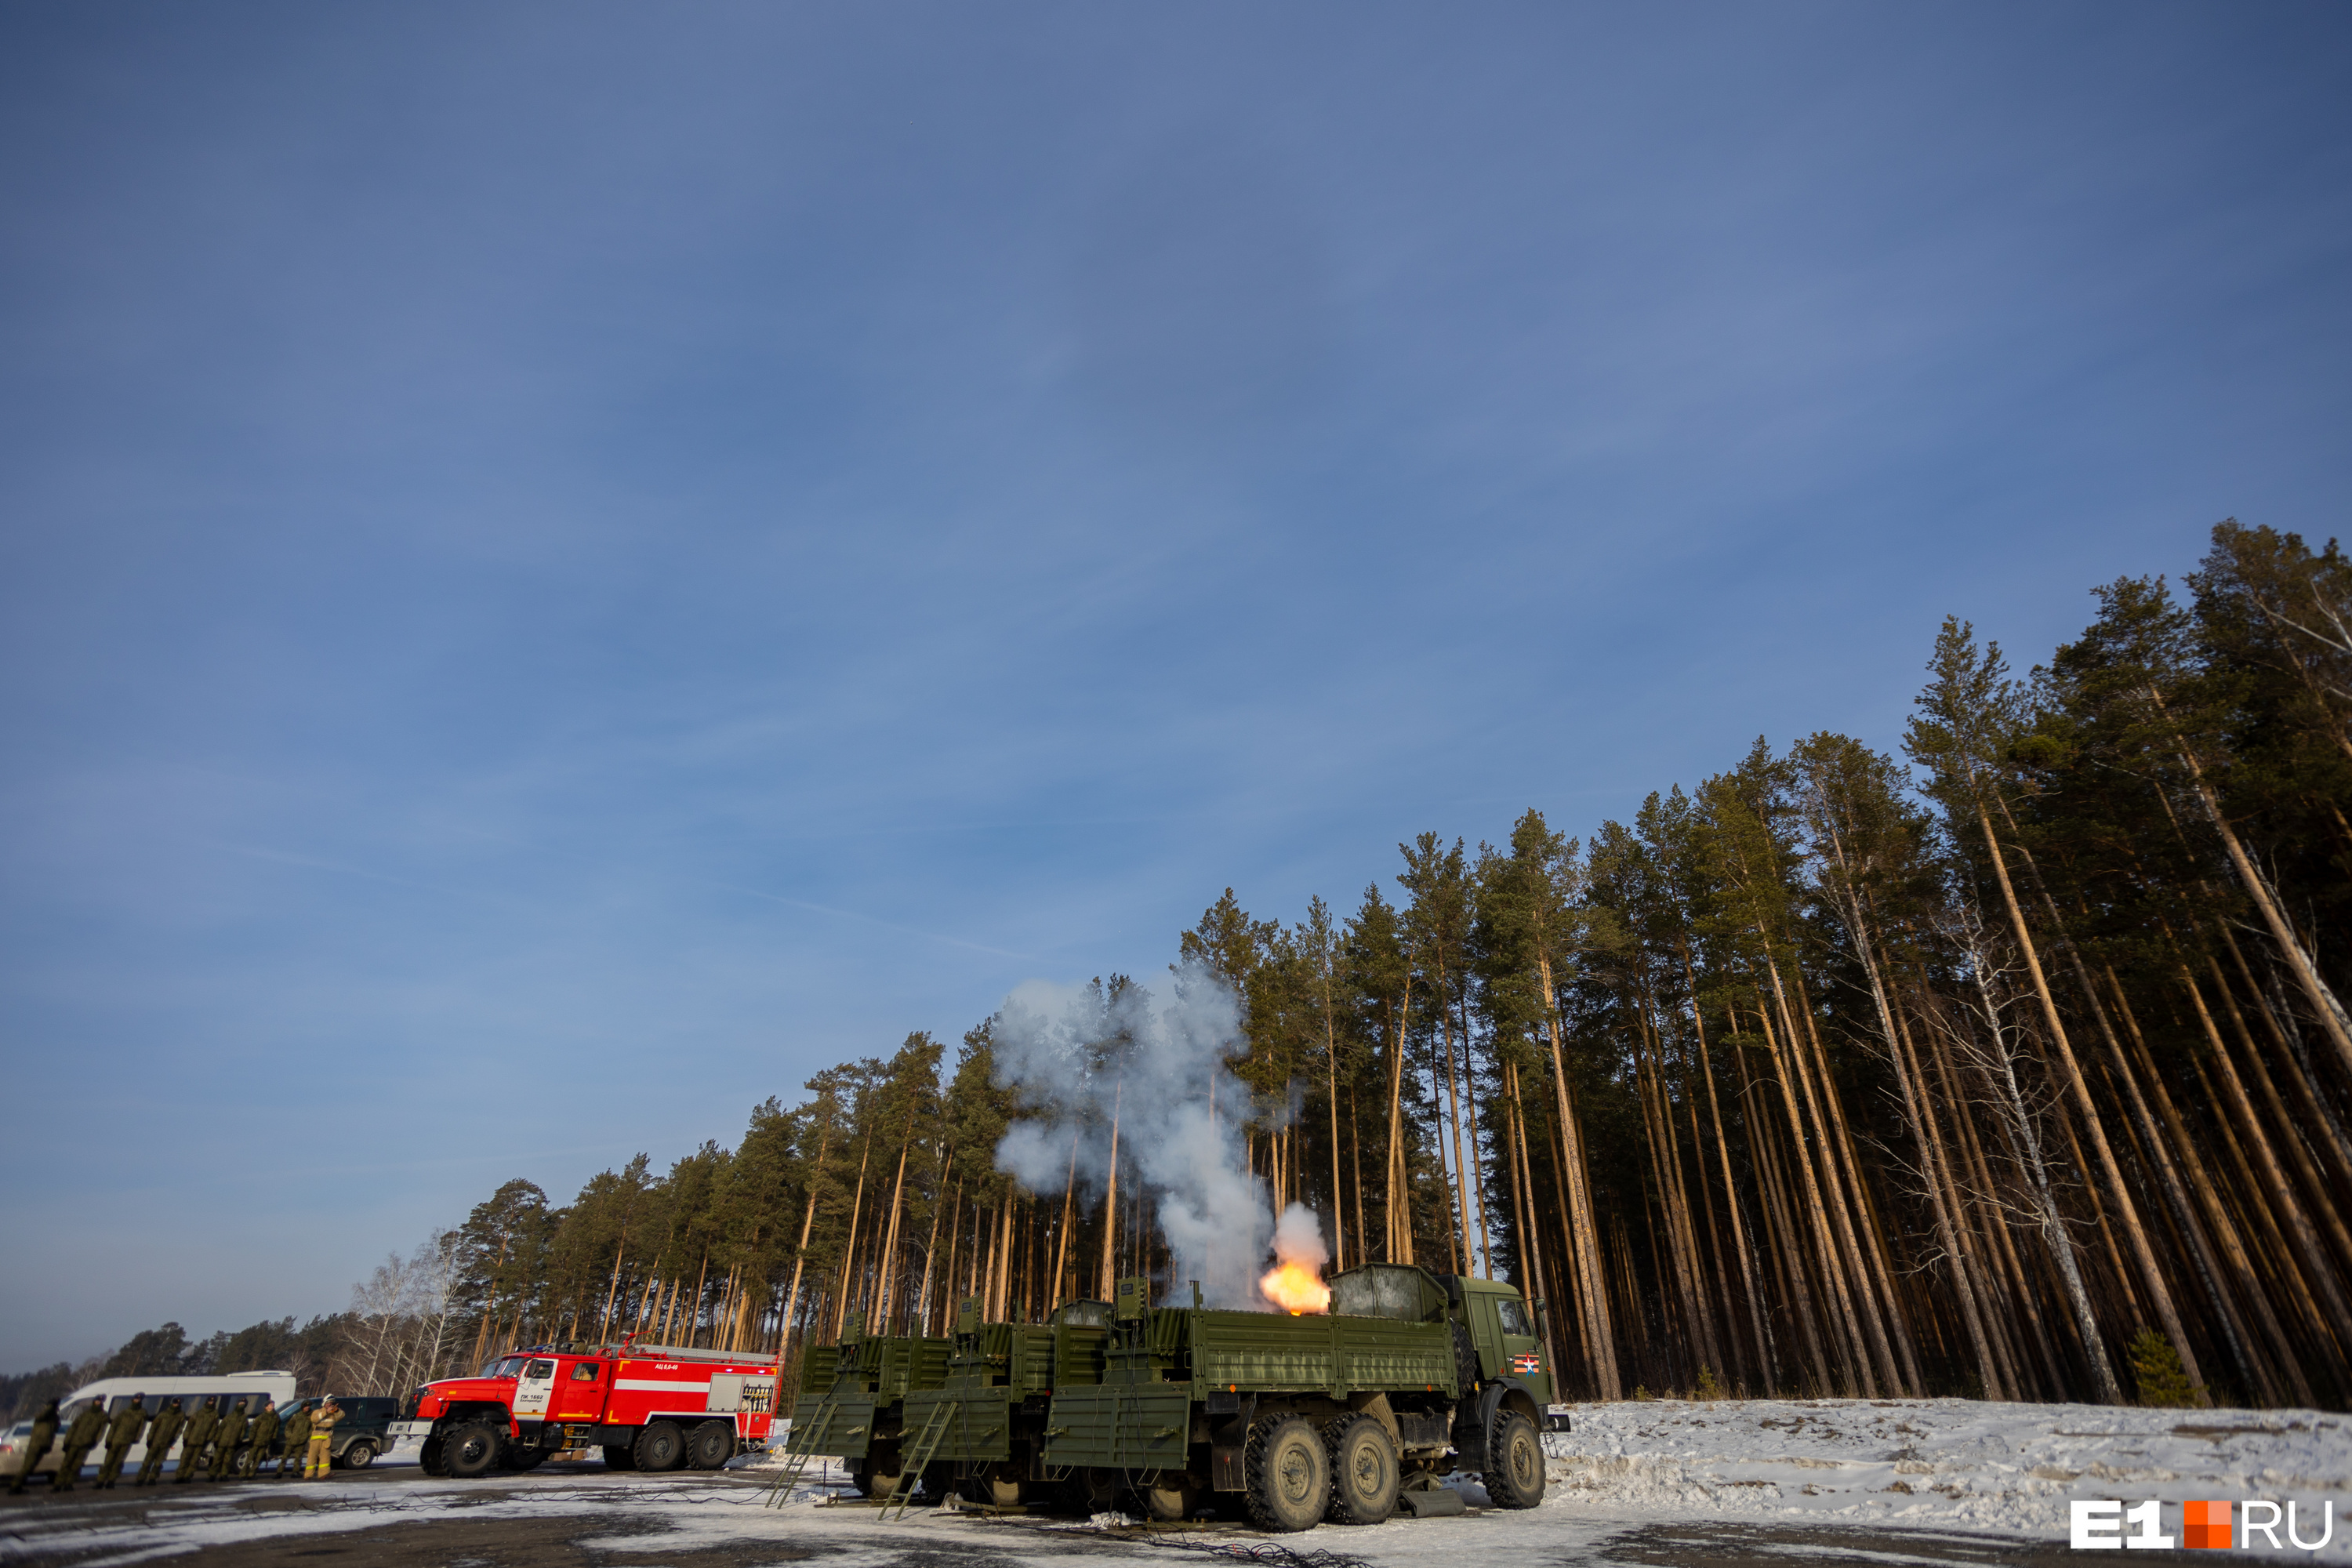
(852, 1396)
(980, 1431)
(1338, 1415)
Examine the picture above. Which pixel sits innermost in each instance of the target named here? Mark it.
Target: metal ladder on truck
(797, 1454)
(917, 1457)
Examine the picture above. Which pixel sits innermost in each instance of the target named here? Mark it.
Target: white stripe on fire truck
(645, 1382)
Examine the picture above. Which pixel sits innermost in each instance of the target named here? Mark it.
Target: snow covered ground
(1945, 1463)
(1735, 1484)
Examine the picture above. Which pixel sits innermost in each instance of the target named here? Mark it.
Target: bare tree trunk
(1846, 1205)
(849, 1248)
(1399, 1196)
(1853, 1355)
(1730, 1192)
(2159, 1292)
(1584, 1250)
(2309, 1250)
(887, 1275)
(1111, 1201)
(922, 1324)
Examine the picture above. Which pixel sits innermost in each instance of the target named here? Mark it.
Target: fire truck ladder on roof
(917, 1457)
(797, 1454)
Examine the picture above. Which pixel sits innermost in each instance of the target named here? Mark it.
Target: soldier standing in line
(120, 1433)
(37, 1445)
(298, 1439)
(226, 1437)
(89, 1427)
(160, 1437)
(195, 1441)
(264, 1433)
(322, 1436)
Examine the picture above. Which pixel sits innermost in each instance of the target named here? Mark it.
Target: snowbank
(2009, 1469)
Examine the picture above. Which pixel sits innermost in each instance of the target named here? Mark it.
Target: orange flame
(1294, 1288)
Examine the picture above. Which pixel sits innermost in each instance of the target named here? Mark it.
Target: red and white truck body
(652, 1408)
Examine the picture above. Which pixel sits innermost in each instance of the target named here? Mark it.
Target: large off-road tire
(1365, 1469)
(472, 1449)
(876, 1475)
(428, 1458)
(360, 1455)
(1168, 1496)
(1515, 1462)
(710, 1444)
(999, 1485)
(620, 1457)
(1287, 1474)
(661, 1446)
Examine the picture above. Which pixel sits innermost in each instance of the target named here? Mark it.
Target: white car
(12, 1451)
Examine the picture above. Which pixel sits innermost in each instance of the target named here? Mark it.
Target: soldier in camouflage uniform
(194, 1440)
(36, 1446)
(160, 1439)
(264, 1434)
(120, 1433)
(298, 1439)
(226, 1437)
(89, 1427)
(322, 1436)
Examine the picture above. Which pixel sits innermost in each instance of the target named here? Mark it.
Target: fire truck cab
(649, 1408)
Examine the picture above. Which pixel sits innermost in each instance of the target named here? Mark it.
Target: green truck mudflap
(980, 1427)
(1135, 1427)
(847, 1432)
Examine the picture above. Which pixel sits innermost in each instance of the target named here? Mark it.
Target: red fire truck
(649, 1408)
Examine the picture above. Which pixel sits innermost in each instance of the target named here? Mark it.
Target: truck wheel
(472, 1450)
(1169, 1496)
(710, 1445)
(359, 1456)
(428, 1458)
(1289, 1475)
(661, 1446)
(620, 1457)
(1364, 1470)
(1515, 1462)
(997, 1487)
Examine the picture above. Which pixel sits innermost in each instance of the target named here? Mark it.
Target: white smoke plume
(1077, 1056)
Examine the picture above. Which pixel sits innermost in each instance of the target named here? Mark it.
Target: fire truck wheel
(619, 1457)
(711, 1444)
(1364, 1477)
(472, 1450)
(428, 1458)
(661, 1446)
(1287, 1474)
(1515, 1462)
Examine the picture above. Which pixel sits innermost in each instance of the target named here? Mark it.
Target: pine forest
(2012, 1066)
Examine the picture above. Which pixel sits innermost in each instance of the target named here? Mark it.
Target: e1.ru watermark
(2204, 1526)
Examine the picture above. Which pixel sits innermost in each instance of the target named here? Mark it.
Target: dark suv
(360, 1436)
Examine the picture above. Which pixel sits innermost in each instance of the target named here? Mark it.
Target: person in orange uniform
(323, 1434)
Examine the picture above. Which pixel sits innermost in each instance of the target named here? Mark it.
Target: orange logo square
(2205, 1525)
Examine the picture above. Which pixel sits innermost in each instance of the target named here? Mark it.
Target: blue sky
(564, 566)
